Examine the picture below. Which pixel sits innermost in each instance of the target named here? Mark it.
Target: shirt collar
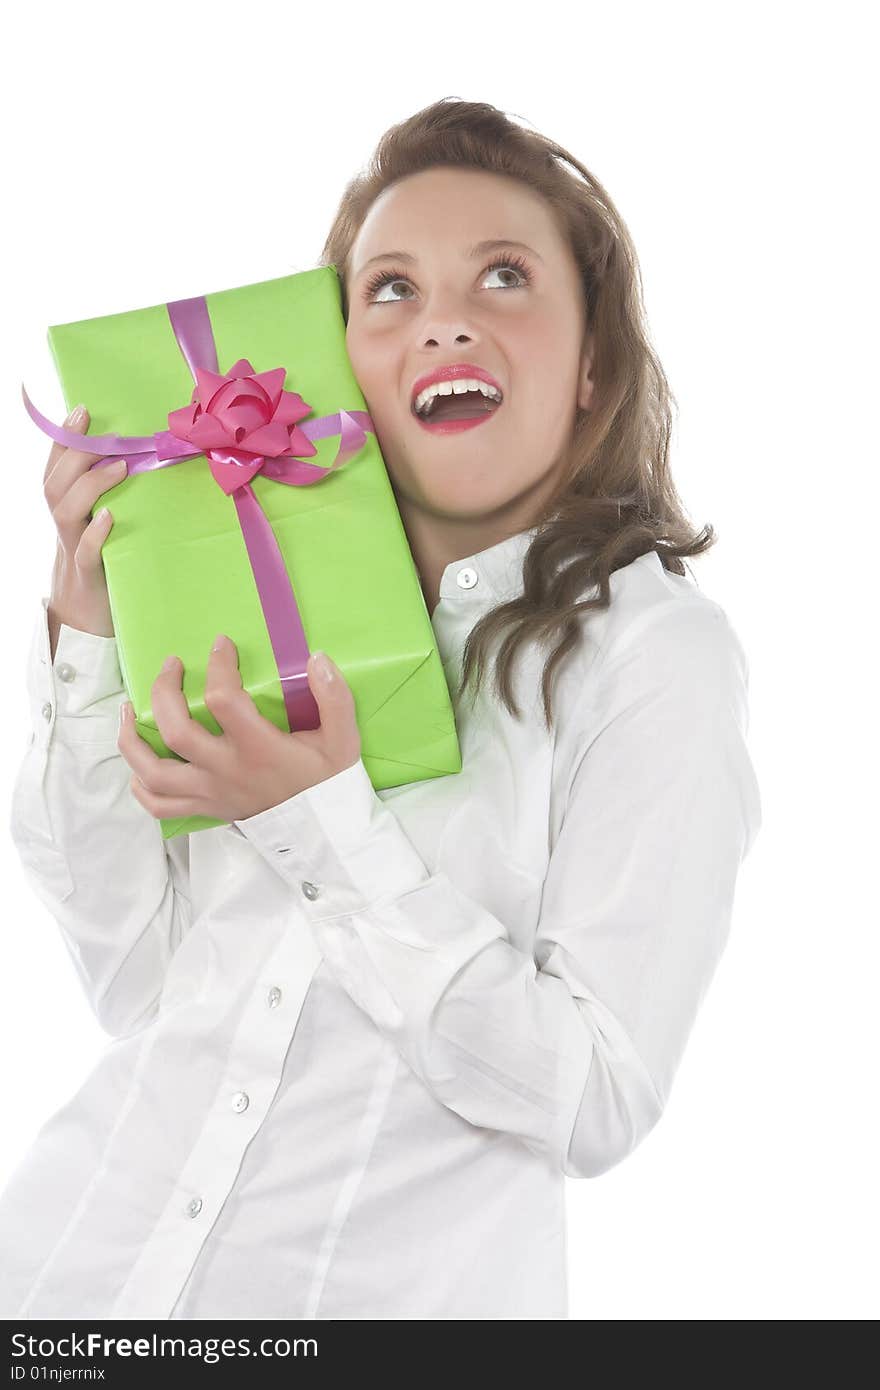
(493, 574)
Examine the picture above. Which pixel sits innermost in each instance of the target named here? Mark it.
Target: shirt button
(65, 672)
(466, 578)
(194, 1207)
(46, 711)
(273, 998)
(310, 891)
(240, 1101)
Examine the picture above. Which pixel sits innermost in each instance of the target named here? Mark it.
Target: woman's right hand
(71, 487)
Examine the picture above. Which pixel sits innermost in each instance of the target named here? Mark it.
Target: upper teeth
(459, 386)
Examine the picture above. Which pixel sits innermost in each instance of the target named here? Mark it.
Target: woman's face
(445, 306)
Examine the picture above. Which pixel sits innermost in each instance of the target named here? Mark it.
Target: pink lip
(450, 373)
(453, 426)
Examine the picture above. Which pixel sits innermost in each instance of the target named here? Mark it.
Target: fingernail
(323, 665)
(169, 662)
(75, 415)
(219, 641)
(124, 709)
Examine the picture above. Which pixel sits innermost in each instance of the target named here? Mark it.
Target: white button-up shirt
(358, 1040)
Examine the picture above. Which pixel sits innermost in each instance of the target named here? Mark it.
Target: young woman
(359, 1039)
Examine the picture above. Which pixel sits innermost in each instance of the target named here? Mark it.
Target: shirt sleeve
(90, 852)
(571, 1048)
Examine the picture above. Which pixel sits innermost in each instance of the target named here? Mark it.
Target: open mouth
(452, 403)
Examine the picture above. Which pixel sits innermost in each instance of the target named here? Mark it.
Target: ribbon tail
(351, 425)
(117, 445)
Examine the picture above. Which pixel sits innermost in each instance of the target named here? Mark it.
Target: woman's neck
(436, 543)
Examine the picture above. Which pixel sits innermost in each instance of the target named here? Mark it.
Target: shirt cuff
(82, 686)
(338, 845)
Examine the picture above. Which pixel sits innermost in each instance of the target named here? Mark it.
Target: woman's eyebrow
(480, 249)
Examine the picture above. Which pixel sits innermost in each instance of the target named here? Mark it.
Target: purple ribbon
(232, 470)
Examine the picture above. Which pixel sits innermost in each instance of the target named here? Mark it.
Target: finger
(75, 486)
(336, 707)
(65, 453)
(88, 553)
(160, 776)
(168, 807)
(225, 696)
(57, 449)
(180, 732)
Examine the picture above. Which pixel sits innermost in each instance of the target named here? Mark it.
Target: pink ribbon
(283, 441)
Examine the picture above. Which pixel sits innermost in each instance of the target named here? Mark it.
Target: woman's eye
(392, 279)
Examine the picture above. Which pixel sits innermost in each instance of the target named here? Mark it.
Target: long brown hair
(616, 499)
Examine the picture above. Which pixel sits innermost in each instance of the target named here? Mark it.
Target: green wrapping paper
(176, 563)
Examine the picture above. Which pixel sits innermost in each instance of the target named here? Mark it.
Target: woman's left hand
(252, 764)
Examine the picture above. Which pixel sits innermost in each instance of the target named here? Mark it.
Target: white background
(157, 152)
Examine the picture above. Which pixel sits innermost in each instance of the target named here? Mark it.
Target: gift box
(257, 504)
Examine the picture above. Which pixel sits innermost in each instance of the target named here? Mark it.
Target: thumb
(335, 701)
(326, 681)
